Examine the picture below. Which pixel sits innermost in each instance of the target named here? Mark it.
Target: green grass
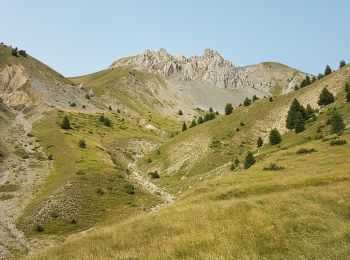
(300, 212)
(78, 174)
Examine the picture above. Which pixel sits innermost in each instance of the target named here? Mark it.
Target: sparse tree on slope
(325, 97)
(337, 123)
(184, 127)
(249, 160)
(65, 123)
(342, 64)
(309, 112)
(292, 113)
(275, 137)
(200, 120)
(228, 109)
(193, 123)
(260, 142)
(328, 70)
(247, 102)
(299, 123)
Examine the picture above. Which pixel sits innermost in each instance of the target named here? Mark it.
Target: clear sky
(77, 37)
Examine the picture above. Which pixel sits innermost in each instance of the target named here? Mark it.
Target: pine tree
(102, 118)
(247, 102)
(328, 70)
(325, 97)
(337, 123)
(260, 142)
(299, 123)
(309, 112)
(65, 123)
(107, 122)
(313, 79)
(249, 160)
(211, 110)
(14, 52)
(255, 98)
(342, 64)
(193, 123)
(320, 76)
(180, 113)
(275, 137)
(347, 91)
(292, 113)
(270, 99)
(200, 120)
(296, 87)
(22, 53)
(184, 127)
(228, 109)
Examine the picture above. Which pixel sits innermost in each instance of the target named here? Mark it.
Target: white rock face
(214, 69)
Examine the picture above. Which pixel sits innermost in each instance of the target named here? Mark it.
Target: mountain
(292, 203)
(124, 180)
(213, 69)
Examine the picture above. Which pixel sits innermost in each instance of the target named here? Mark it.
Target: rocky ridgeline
(214, 69)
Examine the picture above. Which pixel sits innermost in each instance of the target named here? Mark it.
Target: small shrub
(180, 113)
(154, 175)
(80, 172)
(107, 122)
(39, 228)
(306, 150)
(242, 124)
(273, 167)
(72, 221)
(149, 160)
(129, 189)
(338, 142)
(100, 191)
(87, 95)
(73, 104)
(232, 167)
(65, 123)
(82, 143)
(50, 157)
(249, 160)
(236, 161)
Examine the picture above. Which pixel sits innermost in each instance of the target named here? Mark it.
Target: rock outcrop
(214, 69)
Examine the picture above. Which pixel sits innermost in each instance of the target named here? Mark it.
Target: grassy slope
(179, 162)
(77, 174)
(133, 95)
(300, 212)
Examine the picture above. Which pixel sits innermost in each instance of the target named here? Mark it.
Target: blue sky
(80, 37)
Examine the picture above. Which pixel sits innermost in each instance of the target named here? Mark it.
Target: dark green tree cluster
(255, 98)
(247, 102)
(298, 115)
(347, 91)
(228, 109)
(209, 116)
(275, 137)
(249, 160)
(14, 52)
(337, 123)
(193, 123)
(200, 120)
(325, 97)
(22, 53)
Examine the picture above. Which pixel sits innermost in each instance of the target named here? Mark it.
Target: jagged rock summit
(212, 68)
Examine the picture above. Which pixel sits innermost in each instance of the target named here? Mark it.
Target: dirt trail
(19, 175)
(150, 187)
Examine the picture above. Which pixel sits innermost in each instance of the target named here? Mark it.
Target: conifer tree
(299, 123)
(65, 123)
(337, 123)
(249, 160)
(228, 109)
(260, 142)
(211, 110)
(107, 122)
(184, 127)
(255, 98)
(342, 64)
(325, 97)
(328, 70)
(200, 120)
(180, 113)
(193, 123)
(247, 102)
(275, 137)
(292, 113)
(309, 112)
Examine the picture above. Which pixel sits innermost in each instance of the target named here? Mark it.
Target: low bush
(338, 142)
(274, 167)
(154, 175)
(306, 150)
(129, 189)
(39, 228)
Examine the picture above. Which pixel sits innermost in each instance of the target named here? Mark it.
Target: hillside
(69, 184)
(299, 210)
